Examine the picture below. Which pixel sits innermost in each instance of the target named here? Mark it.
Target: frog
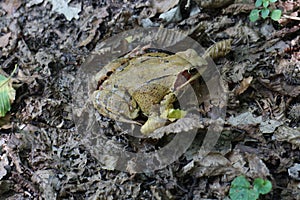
(146, 84)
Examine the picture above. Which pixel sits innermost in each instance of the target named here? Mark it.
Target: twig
(291, 17)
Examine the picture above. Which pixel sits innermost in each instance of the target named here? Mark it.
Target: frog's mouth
(184, 78)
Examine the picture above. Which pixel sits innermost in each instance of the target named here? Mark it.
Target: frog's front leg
(116, 104)
(156, 120)
(167, 104)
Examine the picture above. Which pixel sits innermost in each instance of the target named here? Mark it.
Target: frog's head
(191, 72)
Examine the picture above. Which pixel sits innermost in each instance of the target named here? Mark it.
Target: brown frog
(147, 84)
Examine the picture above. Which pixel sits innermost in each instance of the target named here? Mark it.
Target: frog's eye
(193, 71)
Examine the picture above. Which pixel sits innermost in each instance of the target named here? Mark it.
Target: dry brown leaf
(238, 8)
(257, 167)
(285, 133)
(244, 85)
(92, 33)
(219, 49)
(213, 3)
(213, 164)
(278, 84)
(95, 25)
(5, 122)
(10, 6)
(163, 6)
(283, 32)
(4, 40)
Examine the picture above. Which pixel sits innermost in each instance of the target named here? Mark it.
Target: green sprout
(264, 11)
(241, 189)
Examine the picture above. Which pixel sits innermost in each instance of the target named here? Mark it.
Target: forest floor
(42, 148)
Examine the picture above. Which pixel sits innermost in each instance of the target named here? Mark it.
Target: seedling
(242, 190)
(7, 93)
(263, 10)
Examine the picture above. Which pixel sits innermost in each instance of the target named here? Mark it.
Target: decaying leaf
(47, 180)
(278, 84)
(10, 6)
(4, 40)
(269, 126)
(244, 119)
(3, 163)
(5, 122)
(238, 8)
(247, 118)
(172, 15)
(244, 85)
(288, 134)
(212, 165)
(219, 49)
(213, 3)
(294, 112)
(163, 6)
(62, 7)
(257, 168)
(94, 26)
(294, 171)
(34, 2)
(44, 58)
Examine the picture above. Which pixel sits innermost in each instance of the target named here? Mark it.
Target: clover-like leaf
(276, 14)
(240, 189)
(272, 1)
(265, 13)
(7, 94)
(266, 3)
(243, 194)
(262, 186)
(240, 181)
(258, 3)
(254, 15)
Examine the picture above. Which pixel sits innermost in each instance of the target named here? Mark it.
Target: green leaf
(262, 186)
(176, 114)
(276, 14)
(272, 1)
(240, 181)
(254, 15)
(7, 94)
(240, 190)
(258, 3)
(265, 13)
(243, 194)
(265, 4)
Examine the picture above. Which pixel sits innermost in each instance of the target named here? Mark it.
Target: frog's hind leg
(116, 105)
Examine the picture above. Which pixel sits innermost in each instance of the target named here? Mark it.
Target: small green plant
(7, 93)
(242, 190)
(264, 11)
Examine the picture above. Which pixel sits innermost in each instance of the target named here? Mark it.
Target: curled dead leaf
(219, 49)
(244, 85)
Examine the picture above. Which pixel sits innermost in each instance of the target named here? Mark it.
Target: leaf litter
(40, 153)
